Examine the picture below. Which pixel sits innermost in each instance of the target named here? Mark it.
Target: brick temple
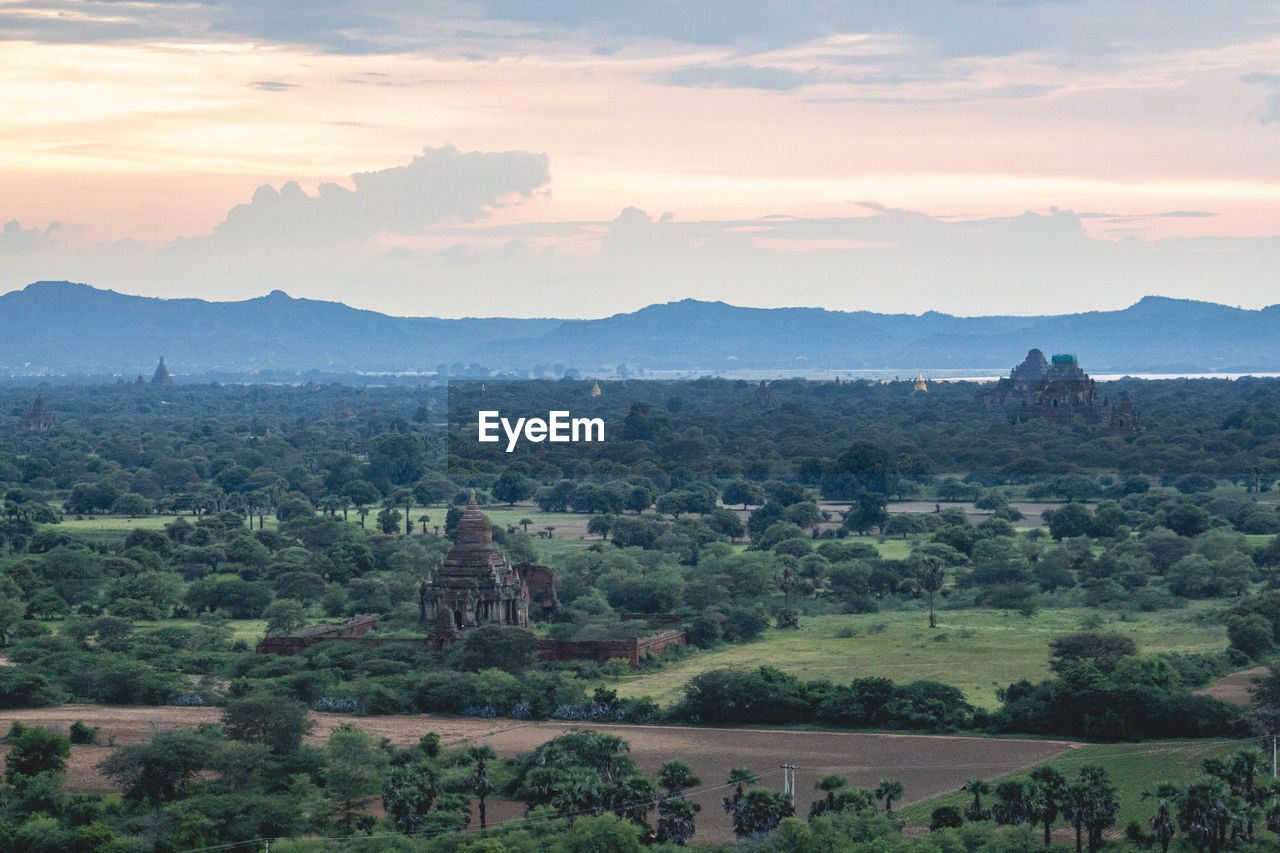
(476, 585)
(1058, 390)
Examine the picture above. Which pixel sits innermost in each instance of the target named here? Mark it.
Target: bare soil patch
(926, 765)
(1234, 687)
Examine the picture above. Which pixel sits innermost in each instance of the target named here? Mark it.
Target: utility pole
(789, 779)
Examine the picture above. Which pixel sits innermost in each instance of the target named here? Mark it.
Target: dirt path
(926, 765)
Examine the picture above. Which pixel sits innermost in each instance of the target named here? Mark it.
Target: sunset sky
(581, 158)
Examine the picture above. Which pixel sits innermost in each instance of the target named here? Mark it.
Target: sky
(580, 158)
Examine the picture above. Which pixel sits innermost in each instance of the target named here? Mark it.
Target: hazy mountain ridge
(60, 327)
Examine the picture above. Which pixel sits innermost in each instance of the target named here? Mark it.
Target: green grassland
(249, 630)
(1134, 768)
(112, 529)
(977, 651)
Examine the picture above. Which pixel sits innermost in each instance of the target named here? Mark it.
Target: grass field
(112, 529)
(977, 651)
(249, 630)
(1134, 768)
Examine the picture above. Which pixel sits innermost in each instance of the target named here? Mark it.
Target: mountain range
(61, 328)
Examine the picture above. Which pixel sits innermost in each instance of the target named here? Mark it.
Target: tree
(1251, 634)
(388, 518)
(1091, 805)
(502, 647)
(131, 505)
(739, 777)
(741, 492)
(47, 604)
(976, 812)
(1204, 811)
(1015, 803)
(600, 525)
(1162, 825)
(868, 511)
(1100, 648)
(479, 783)
(676, 819)
(1070, 521)
(361, 493)
(410, 792)
(284, 616)
(840, 797)
(11, 613)
(676, 814)
(35, 750)
(760, 812)
(356, 765)
(404, 497)
(888, 790)
(930, 574)
(605, 832)
(276, 721)
(511, 488)
(154, 771)
(1050, 784)
(1075, 808)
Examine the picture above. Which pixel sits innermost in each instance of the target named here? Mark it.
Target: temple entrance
(457, 618)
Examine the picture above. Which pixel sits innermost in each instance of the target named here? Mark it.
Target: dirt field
(1235, 686)
(926, 765)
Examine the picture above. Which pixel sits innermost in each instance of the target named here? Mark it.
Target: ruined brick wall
(600, 651)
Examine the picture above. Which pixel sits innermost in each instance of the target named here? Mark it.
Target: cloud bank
(423, 239)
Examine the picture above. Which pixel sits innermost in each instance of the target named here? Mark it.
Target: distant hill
(65, 328)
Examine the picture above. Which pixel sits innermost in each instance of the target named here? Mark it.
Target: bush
(83, 734)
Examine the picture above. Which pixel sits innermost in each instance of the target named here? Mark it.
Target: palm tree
(636, 796)
(404, 496)
(975, 812)
(760, 812)
(739, 777)
(676, 775)
(889, 790)
(525, 522)
(931, 575)
(1162, 825)
(1204, 811)
(1244, 768)
(1050, 783)
(479, 783)
(829, 785)
(1075, 807)
(1273, 808)
(1013, 806)
(675, 813)
(676, 819)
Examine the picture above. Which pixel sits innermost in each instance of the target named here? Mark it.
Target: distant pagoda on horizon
(161, 376)
(1057, 390)
(39, 419)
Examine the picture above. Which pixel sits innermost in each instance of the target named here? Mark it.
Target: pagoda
(1058, 390)
(39, 419)
(475, 584)
(161, 376)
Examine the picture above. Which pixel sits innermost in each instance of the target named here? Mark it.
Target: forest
(151, 536)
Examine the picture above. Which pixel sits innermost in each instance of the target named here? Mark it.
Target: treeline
(253, 778)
